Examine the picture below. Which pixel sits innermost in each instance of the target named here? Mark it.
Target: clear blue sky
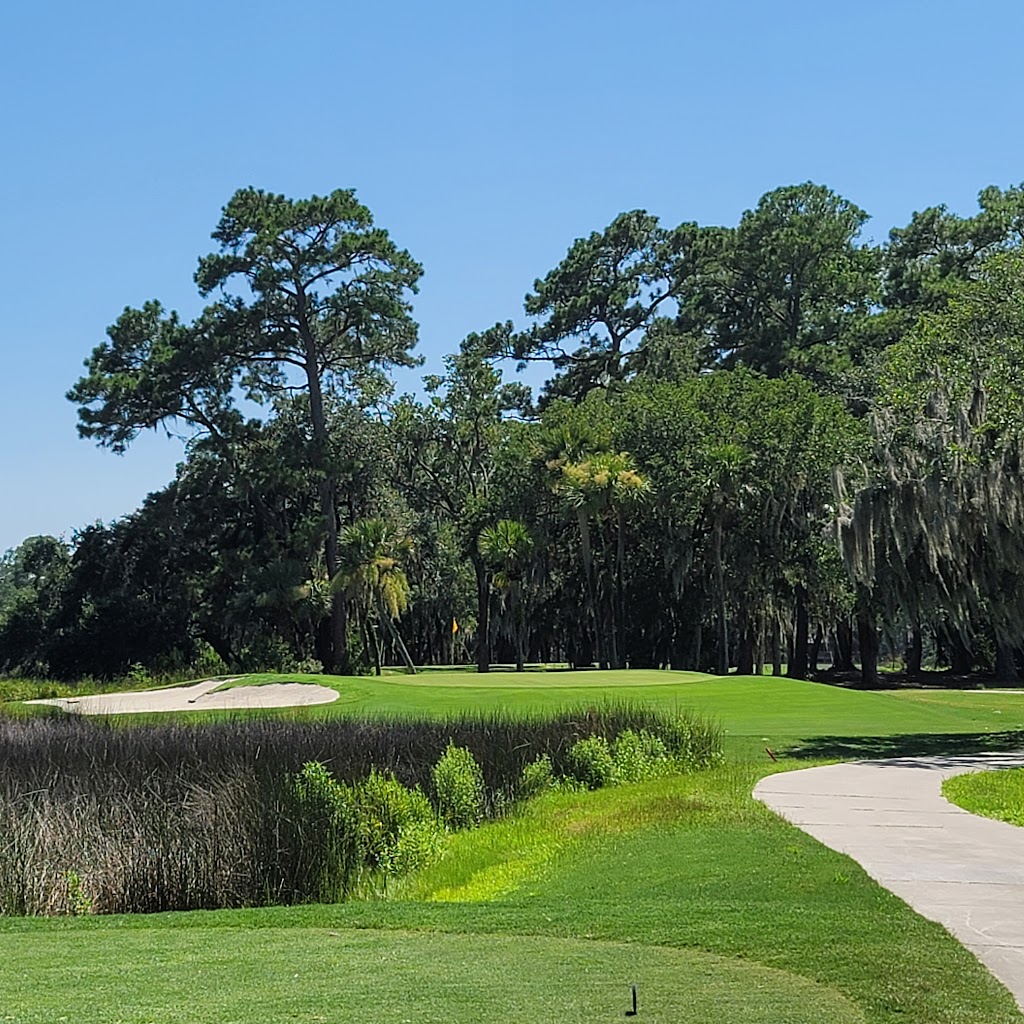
(484, 136)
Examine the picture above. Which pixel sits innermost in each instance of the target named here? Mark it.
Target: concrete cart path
(964, 871)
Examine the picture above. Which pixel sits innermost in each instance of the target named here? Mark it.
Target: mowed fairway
(753, 711)
(272, 975)
(718, 910)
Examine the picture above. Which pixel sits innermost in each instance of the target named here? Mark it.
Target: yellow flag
(455, 627)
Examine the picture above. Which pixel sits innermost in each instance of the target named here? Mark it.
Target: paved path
(953, 867)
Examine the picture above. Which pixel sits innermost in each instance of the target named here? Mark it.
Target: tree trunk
(868, 638)
(776, 650)
(798, 664)
(396, 636)
(483, 615)
(723, 624)
(1006, 663)
(814, 653)
(588, 572)
(843, 659)
(620, 610)
(337, 660)
(745, 654)
(914, 653)
(961, 658)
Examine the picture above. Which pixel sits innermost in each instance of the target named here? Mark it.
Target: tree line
(769, 444)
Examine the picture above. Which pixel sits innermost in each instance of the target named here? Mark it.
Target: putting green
(285, 975)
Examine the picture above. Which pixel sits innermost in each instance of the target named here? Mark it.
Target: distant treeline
(766, 444)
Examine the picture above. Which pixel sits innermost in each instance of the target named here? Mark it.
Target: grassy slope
(693, 864)
(690, 864)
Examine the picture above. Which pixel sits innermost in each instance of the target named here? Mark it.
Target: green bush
(694, 744)
(537, 777)
(591, 762)
(326, 839)
(397, 826)
(458, 788)
(637, 756)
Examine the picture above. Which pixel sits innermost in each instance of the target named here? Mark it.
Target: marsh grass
(107, 818)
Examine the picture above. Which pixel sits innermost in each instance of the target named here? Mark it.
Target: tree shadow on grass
(847, 748)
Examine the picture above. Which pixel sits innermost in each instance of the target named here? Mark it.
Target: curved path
(964, 871)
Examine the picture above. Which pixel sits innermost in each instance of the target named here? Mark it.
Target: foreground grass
(715, 907)
(686, 877)
(998, 794)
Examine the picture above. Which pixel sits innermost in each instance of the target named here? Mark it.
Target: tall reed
(105, 818)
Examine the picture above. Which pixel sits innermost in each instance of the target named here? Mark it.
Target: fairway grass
(810, 720)
(274, 976)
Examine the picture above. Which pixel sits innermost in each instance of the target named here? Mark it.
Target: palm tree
(373, 580)
(603, 487)
(508, 548)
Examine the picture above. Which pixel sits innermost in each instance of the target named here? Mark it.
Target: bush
(591, 762)
(693, 743)
(326, 835)
(458, 788)
(537, 777)
(398, 828)
(637, 756)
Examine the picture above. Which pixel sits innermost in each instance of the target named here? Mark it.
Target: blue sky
(485, 137)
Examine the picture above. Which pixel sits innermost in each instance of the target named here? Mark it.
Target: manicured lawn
(998, 794)
(716, 908)
(755, 711)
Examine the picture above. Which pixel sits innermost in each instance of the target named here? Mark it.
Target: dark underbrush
(102, 818)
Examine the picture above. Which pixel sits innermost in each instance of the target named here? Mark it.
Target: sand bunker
(197, 697)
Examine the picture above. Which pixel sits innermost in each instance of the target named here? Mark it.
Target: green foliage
(538, 776)
(398, 827)
(591, 762)
(632, 756)
(458, 785)
(326, 834)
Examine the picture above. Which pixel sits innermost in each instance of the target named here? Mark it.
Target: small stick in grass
(768, 751)
(632, 1013)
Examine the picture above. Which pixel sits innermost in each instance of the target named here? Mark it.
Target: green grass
(809, 719)
(717, 908)
(313, 974)
(998, 794)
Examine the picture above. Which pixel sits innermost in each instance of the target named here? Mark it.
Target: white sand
(197, 697)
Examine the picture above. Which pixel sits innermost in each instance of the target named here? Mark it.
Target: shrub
(458, 788)
(637, 756)
(537, 777)
(325, 835)
(591, 762)
(694, 743)
(397, 826)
